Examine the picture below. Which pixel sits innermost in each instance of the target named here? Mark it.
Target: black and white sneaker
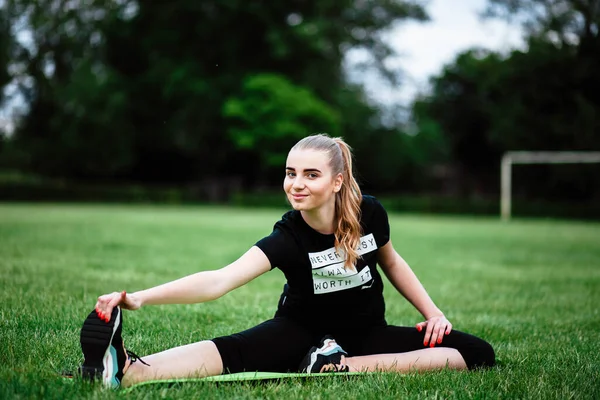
(103, 350)
(329, 353)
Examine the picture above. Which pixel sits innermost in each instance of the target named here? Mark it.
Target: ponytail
(347, 209)
(347, 203)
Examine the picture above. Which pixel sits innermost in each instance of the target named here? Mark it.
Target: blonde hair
(348, 199)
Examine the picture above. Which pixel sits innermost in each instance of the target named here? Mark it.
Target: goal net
(535, 157)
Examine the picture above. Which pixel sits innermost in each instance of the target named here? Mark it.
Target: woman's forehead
(307, 158)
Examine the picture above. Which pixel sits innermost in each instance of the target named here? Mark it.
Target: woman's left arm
(406, 282)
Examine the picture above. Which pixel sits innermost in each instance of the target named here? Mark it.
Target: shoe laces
(134, 357)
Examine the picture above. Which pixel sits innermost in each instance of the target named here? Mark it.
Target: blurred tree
(135, 90)
(545, 98)
(560, 74)
(272, 114)
(6, 43)
(56, 62)
(563, 22)
(460, 105)
(486, 104)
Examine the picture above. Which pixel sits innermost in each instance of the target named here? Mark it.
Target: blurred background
(187, 101)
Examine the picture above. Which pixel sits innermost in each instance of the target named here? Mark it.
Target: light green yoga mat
(242, 376)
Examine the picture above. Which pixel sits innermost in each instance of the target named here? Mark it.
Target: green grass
(529, 287)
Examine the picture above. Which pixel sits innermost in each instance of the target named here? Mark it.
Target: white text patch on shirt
(331, 256)
(329, 274)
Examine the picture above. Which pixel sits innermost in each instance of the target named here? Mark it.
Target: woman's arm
(406, 282)
(196, 288)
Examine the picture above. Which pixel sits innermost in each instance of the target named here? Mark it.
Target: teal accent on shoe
(336, 349)
(114, 381)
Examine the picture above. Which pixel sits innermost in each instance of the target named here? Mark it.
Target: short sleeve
(279, 246)
(378, 223)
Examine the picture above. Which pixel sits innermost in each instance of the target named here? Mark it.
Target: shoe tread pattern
(95, 338)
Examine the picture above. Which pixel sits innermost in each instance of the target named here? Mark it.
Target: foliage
(546, 97)
(135, 90)
(563, 22)
(6, 41)
(212, 92)
(271, 114)
(542, 99)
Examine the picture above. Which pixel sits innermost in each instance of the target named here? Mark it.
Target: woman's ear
(338, 181)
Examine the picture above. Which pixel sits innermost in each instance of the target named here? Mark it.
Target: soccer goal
(535, 157)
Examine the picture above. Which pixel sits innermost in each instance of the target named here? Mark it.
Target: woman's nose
(298, 183)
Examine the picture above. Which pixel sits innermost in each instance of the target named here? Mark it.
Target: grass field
(529, 287)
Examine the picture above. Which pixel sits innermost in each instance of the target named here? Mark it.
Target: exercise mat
(241, 377)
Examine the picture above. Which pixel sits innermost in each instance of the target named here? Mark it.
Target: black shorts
(280, 344)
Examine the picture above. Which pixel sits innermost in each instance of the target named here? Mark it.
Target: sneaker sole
(95, 338)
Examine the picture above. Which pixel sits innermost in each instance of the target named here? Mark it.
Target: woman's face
(309, 181)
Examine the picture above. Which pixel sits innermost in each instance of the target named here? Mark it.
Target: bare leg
(419, 360)
(193, 360)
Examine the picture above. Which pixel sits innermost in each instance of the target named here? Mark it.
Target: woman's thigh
(276, 345)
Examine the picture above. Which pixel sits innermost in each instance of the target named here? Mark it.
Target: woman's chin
(296, 205)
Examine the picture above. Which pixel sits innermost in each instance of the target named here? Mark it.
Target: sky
(425, 47)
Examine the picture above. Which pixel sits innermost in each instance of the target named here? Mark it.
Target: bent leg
(402, 349)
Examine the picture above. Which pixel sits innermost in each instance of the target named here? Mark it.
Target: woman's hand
(436, 327)
(107, 302)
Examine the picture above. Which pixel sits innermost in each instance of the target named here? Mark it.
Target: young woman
(330, 316)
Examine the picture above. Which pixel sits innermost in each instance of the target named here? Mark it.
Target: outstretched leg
(331, 357)
(402, 349)
(416, 360)
(276, 345)
(195, 360)
(107, 360)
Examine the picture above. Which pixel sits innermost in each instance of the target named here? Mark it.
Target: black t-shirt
(319, 290)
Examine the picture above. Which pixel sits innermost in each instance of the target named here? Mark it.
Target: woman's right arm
(196, 288)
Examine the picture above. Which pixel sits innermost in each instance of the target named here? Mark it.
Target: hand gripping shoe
(103, 350)
(328, 353)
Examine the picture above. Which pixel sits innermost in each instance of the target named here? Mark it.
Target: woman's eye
(312, 176)
(290, 174)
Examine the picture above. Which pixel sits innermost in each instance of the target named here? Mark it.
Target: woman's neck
(321, 219)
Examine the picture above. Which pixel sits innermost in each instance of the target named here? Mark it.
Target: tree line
(181, 91)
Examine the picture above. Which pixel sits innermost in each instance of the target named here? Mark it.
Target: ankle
(347, 362)
(127, 365)
(132, 373)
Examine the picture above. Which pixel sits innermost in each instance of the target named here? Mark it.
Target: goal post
(535, 157)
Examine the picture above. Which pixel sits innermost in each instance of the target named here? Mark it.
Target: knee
(482, 356)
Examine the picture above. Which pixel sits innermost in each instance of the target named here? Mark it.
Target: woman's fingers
(448, 328)
(437, 327)
(438, 332)
(427, 340)
(434, 335)
(106, 303)
(101, 312)
(444, 328)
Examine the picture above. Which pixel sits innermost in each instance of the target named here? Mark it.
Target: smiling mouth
(299, 196)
